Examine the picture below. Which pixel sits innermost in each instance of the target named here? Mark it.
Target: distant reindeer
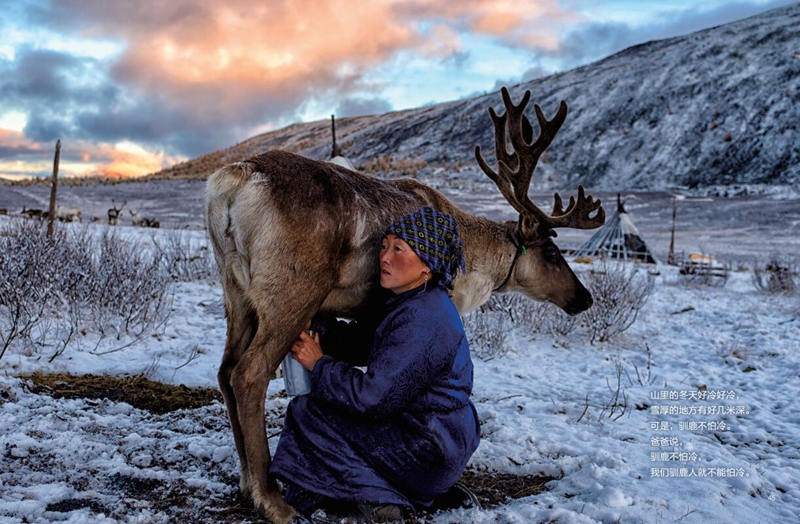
(69, 214)
(32, 213)
(137, 220)
(293, 238)
(113, 213)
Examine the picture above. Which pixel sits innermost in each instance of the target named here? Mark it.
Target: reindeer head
(539, 270)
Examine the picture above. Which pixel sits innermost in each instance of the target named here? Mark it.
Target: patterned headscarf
(434, 238)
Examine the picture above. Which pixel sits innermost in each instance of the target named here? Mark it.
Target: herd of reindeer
(73, 214)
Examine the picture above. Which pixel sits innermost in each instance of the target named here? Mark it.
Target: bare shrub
(778, 275)
(620, 291)
(486, 333)
(519, 311)
(616, 407)
(486, 327)
(129, 291)
(52, 289)
(559, 325)
(645, 379)
(185, 259)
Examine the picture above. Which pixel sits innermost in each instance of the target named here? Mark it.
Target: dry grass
(138, 391)
(495, 489)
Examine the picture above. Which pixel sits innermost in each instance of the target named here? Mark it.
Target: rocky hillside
(716, 107)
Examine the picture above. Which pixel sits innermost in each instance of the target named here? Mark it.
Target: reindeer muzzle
(580, 304)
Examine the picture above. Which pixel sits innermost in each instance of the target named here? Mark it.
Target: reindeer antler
(515, 169)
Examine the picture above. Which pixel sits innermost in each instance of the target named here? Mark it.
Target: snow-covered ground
(728, 354)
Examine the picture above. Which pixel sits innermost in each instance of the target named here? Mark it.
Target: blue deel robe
(399, 433)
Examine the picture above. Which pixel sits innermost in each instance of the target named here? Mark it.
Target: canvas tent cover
(619, 238)
(342, 161)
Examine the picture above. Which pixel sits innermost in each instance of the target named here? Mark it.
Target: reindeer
(294, 238)
(69, 214)
(32, 213)
(136, 219)
(113, 213)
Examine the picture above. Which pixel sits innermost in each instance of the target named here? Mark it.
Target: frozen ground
(731, 351)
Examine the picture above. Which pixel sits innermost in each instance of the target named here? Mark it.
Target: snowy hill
(716, 107)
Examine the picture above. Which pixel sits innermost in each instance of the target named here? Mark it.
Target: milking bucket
(296, 378)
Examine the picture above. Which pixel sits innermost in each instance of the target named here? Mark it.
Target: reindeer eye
(551, 253)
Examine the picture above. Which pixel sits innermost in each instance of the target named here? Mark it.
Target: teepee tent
(618, 238)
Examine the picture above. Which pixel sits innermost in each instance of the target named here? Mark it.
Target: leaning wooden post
(335, 151)
(671, 254)
(53, 188)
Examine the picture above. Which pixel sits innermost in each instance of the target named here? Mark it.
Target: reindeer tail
(221, 191)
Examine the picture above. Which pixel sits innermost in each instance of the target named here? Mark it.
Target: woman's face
(401, 268)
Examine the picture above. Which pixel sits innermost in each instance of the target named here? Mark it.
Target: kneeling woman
(400, 434)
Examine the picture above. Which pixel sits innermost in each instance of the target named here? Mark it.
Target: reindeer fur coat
(399, 433)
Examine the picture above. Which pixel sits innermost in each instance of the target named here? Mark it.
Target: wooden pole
(671, 254)
(333, 132)
(53, 188)
(334, 149)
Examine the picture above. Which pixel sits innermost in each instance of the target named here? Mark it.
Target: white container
(296, 378)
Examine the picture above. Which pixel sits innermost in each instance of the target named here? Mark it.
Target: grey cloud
(105, 17)
(21, 152)
(45, 126)
(531, 73)
(38, 75)
(360, 106)
(51, 88)
(596, 41)
(534, 72)
(458, 59)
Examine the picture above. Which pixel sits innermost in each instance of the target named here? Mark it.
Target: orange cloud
(126, 160)
(226, 54)
(11, 140)
(246, 44)
(533, 24)
(21, 157)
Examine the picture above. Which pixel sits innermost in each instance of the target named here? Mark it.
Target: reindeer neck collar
(522, 248)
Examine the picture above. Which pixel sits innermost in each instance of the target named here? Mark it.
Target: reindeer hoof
(245, 488)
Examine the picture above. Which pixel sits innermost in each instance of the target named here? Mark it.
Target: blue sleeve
(410, 356)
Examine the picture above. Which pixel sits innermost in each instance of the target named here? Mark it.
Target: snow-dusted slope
(719, 106)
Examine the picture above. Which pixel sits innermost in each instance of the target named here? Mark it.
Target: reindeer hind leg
(242, 325)
(249, 380)
(280, 319)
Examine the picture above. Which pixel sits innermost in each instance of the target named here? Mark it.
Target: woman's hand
(307, 350)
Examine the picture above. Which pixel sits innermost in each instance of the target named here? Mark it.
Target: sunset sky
(131, 86)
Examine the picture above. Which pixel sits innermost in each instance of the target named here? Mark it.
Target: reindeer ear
(528, 228)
